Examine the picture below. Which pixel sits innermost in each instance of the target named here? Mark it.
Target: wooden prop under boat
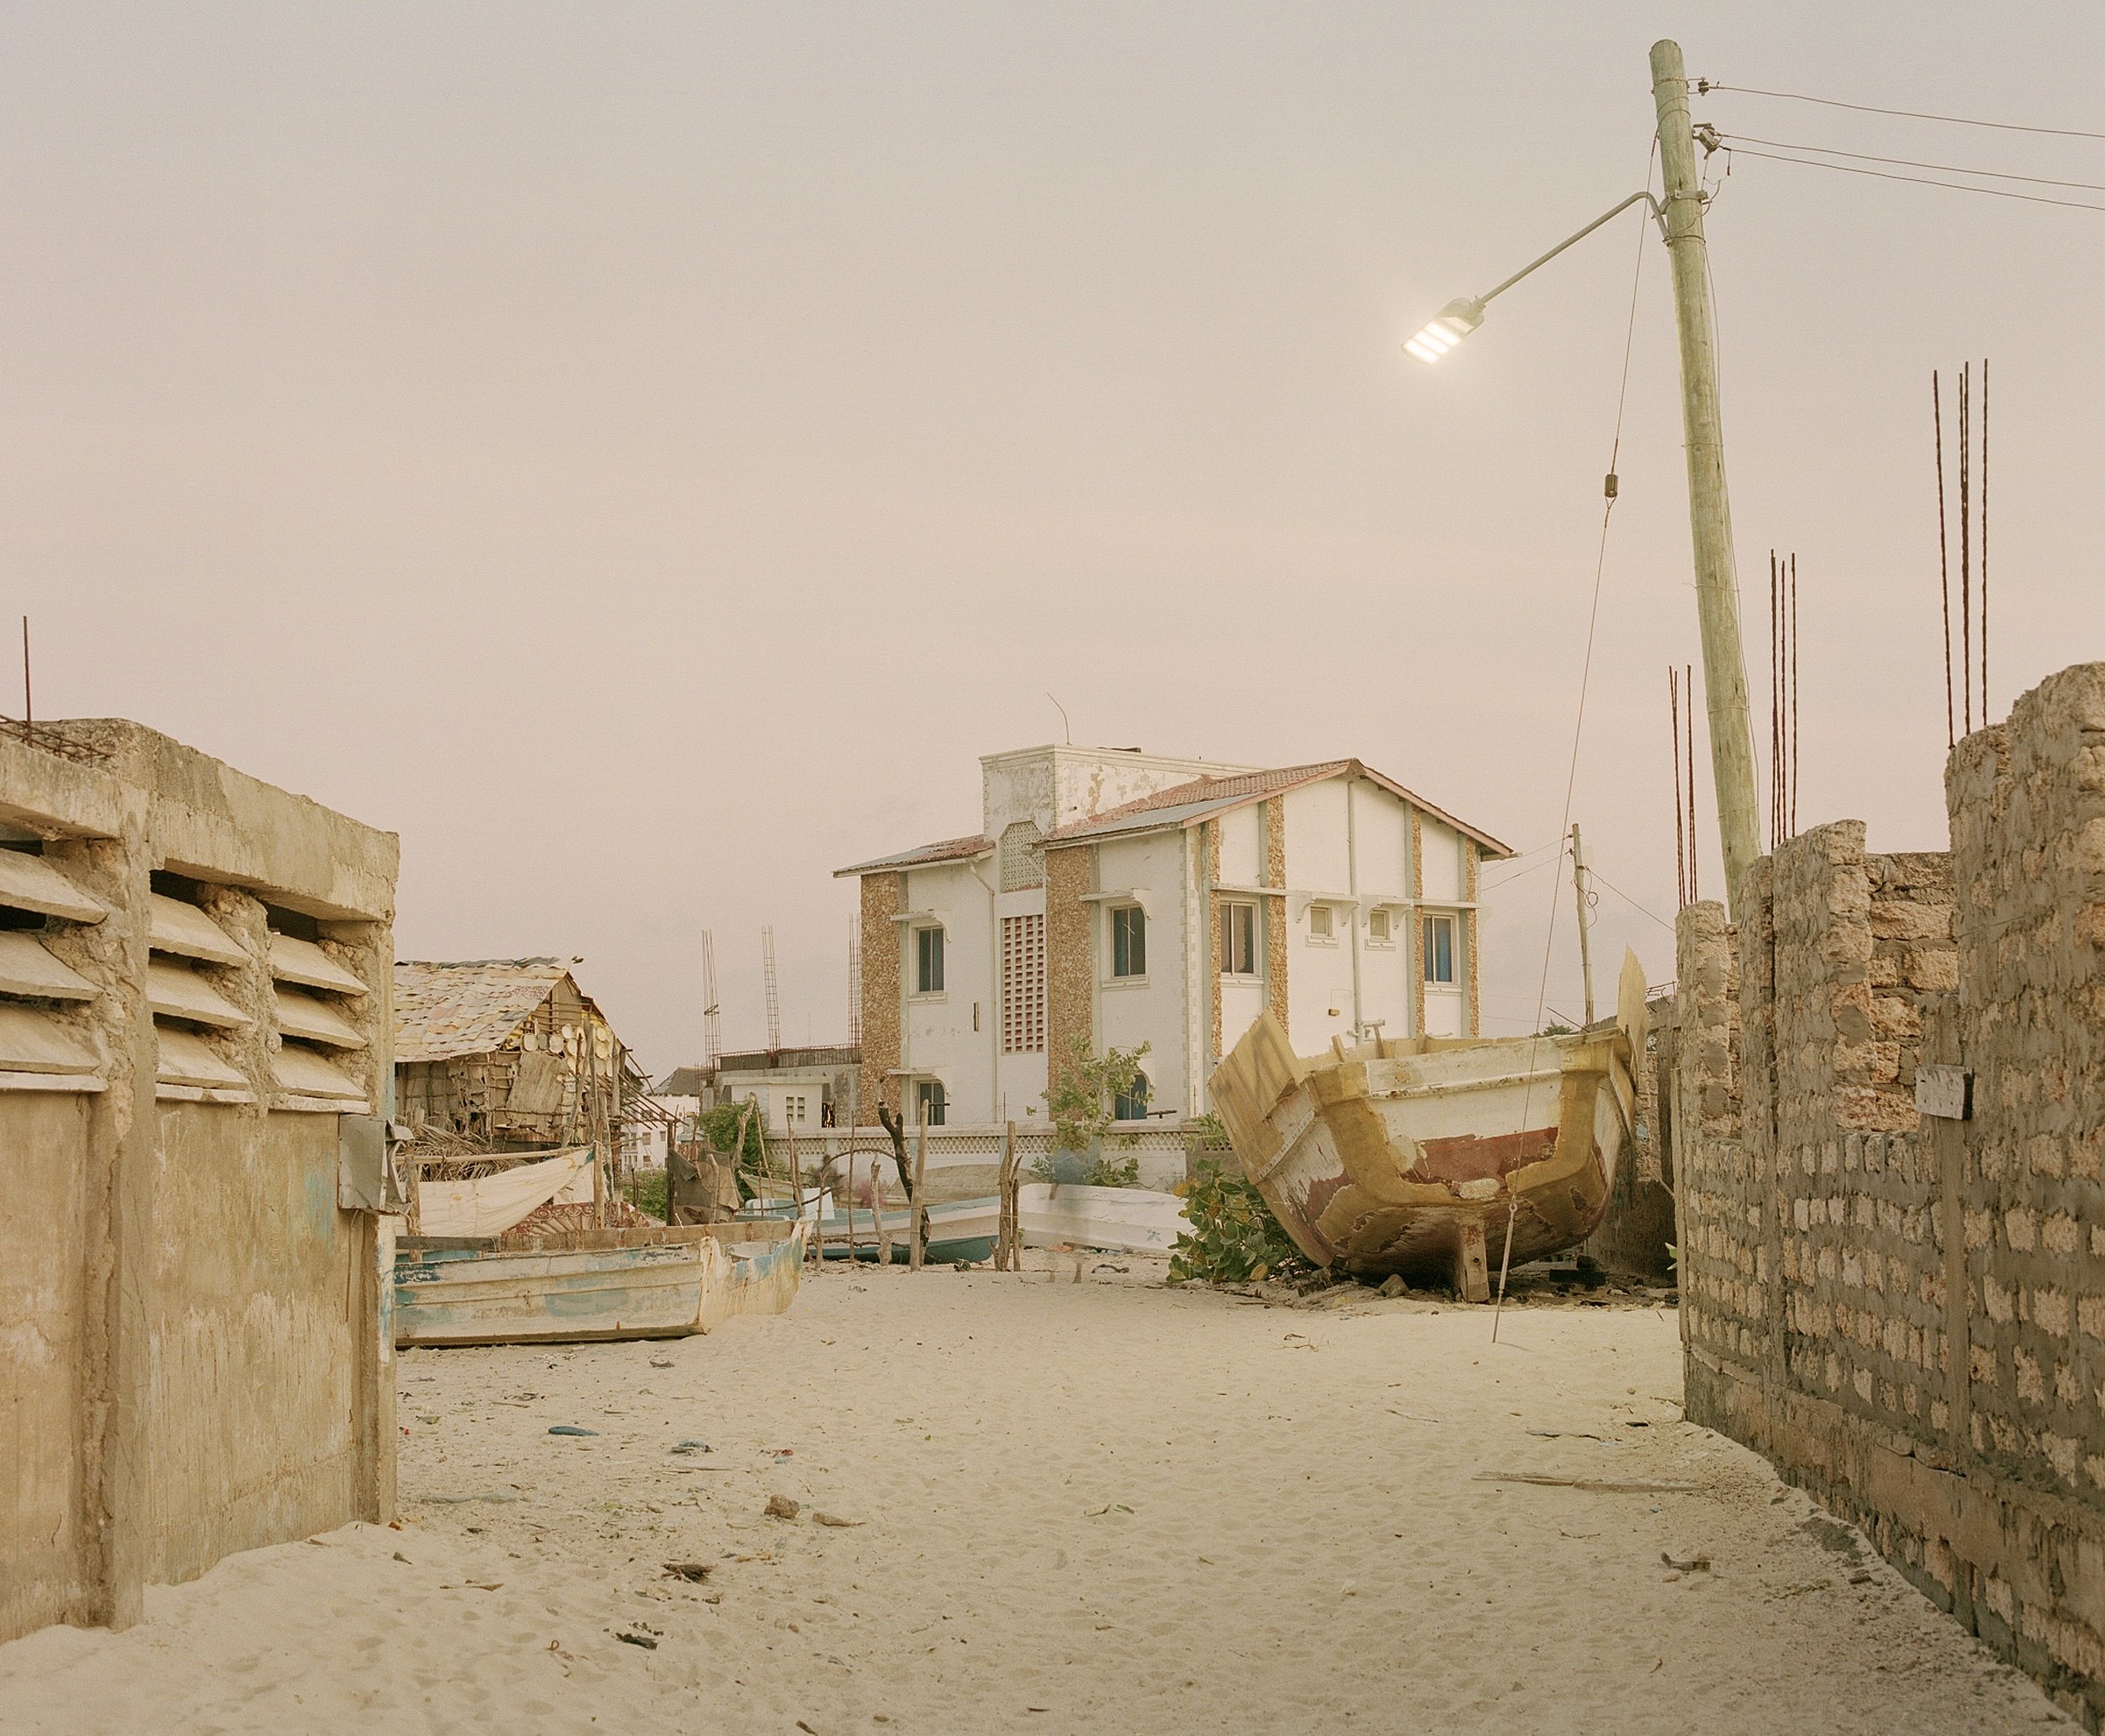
(1415, 1156)
(661, 1281)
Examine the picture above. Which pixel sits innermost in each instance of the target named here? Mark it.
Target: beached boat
(662, 1281)
(1422, 1156)
(1132, 1220)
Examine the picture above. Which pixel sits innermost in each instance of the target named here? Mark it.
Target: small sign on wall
(1945, 1092)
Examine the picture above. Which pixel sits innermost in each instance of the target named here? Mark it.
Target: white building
(1116, 898)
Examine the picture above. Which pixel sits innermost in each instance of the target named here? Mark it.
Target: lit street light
(1679, 216)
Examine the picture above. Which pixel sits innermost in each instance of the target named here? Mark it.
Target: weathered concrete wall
(193, 1356)
(1907, 1313)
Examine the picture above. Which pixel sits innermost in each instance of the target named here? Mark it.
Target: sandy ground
(1103, 1507)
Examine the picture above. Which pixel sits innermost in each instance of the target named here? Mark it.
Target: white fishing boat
(1131, 1220)
(663, 1281)
(1439, 1157)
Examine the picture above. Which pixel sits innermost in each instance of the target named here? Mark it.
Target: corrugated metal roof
(1190, 804)
(947, 850)
(467, 1008)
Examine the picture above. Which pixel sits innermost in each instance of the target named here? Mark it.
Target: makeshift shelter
(499, 1057)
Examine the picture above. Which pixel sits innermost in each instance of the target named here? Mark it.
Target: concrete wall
(1907, 1313)
(193, 1352)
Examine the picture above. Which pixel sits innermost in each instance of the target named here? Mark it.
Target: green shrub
(1234, 1238)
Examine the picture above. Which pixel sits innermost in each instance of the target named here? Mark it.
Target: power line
(1705, 86)
(1843, 168)
(1907, 162)
(1597, 874)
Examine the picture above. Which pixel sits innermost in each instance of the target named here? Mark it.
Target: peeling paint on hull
(1422, 1156)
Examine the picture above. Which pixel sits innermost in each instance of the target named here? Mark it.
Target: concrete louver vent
(31, 884)
(44, 1044)
(302, 1074)
(27, 968)
(314, 1020)
(186, 1065)
(175, 992)
(296, 961)
(186, 932)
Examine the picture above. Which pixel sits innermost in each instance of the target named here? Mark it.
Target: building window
(1131, 1105)
(1129, 940)
(792, 1109)
(928, 961)
(1319, 922)
(1238, 940)
(1440, 949)
(929, 1100)
(1023, 985)
(1378, 928)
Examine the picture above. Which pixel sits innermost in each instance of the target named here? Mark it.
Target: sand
(1103, 1507)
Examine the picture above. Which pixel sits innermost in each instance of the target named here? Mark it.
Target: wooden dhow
(1422, 1156)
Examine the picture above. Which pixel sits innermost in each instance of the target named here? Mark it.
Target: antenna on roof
(774, 1006)
(1067, 728)
(712, 1014)
(855, 982)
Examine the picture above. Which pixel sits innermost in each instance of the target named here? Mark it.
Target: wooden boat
(1133, 1220)
(958, 1229)
(1422, 1156)
(663, 1281)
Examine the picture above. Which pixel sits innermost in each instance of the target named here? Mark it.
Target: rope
(1578, 730)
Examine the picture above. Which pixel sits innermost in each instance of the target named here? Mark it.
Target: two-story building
(1115, 898)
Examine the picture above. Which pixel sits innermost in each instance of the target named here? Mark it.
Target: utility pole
(1580, 887)
(1709, 510)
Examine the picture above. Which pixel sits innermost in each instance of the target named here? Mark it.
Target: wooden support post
(1006, 1240)
(918, 1218)
(1472, 1272)
(877, 1214)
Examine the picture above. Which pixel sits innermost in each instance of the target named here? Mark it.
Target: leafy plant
(646, 1192)
(1081, 1102)
(722, 1127)
(1102, 1171)
(1234, 1238)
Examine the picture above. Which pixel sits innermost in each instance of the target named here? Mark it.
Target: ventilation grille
(1023, 985)
(1022, 856)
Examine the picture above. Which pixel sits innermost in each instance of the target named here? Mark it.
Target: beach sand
(1096, 1507)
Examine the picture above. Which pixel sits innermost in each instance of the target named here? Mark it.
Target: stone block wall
(1906, 1313)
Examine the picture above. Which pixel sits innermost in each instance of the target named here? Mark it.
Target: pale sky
(645, 454)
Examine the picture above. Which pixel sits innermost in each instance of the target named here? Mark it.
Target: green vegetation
(645, 1191)
(1234, 1238)
(720, 1126)
(1081, 1106)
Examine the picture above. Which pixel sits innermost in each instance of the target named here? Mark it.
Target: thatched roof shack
(501, 1054)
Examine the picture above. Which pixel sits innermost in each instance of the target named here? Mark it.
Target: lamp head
(1444, 329)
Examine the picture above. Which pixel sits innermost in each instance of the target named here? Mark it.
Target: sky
(645, 454)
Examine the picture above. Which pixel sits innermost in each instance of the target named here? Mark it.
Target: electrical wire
(1909, 162)
(1843, 168)
(1595, 874)
(1705, 86)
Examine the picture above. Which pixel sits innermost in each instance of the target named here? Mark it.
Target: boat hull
(601, 1285)
(1435, 1157)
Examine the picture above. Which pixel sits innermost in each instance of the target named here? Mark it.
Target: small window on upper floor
(1378, 928)
(1129, 940)
(928, 961)
(1440, 949)
(1319, 922)
(1238, 940)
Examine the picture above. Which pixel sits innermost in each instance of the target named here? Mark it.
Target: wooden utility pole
(918, 1217)
(1579, 885)
(1709, 509)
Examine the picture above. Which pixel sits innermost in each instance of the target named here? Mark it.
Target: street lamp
(1462, 315)
(1445, 328)
(1680, 215)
